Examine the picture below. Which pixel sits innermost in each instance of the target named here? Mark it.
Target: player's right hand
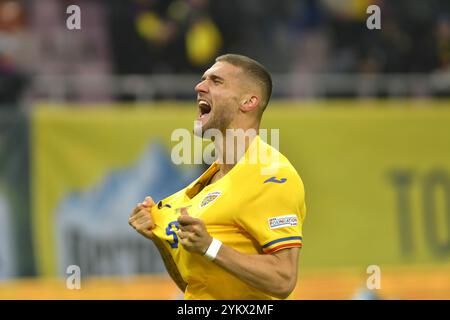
(141, 219)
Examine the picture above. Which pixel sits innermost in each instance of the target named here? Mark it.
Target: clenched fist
(141, 219)
(193, 234)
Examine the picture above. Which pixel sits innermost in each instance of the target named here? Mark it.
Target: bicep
(274, 215)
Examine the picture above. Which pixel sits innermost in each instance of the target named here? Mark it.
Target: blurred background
(86, 117)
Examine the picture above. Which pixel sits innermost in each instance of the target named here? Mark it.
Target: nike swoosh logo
(274, 179)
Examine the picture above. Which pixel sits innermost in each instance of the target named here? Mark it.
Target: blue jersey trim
(281, 240)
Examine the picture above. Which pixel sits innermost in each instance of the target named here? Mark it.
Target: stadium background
(86, 117)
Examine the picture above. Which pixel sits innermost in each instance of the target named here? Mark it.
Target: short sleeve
(273, 214)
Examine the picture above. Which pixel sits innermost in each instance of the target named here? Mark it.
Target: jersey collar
(203, 180)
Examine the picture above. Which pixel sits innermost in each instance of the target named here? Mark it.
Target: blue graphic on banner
(92, 226)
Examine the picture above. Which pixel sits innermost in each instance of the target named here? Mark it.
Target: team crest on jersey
(283, 221)
(210, 197)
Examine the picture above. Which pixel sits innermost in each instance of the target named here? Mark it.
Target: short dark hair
(255, 70)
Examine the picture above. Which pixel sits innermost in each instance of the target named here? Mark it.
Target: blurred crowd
(122, 37)
(288, 35)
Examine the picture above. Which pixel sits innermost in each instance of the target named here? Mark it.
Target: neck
(233, 146)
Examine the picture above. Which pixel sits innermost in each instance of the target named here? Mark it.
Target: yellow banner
(377, 178)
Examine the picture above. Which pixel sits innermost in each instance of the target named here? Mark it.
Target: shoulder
(271, 176)
(278, 165)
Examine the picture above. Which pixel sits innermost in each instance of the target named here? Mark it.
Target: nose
(201, 87)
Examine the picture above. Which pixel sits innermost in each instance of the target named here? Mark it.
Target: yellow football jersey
(258, 207)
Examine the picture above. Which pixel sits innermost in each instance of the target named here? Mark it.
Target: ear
(249, 103)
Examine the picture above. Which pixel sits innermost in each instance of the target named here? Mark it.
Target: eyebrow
(212, 77)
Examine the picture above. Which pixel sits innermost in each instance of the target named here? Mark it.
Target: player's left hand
(192, 234)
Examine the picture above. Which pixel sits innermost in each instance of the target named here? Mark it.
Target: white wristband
(213, 249)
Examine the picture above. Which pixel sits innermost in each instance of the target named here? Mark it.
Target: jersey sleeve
(275, 211)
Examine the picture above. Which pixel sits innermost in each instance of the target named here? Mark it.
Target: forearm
(170, 265)
(267, 272)
(142, 222)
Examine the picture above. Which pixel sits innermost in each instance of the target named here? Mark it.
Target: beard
(220, 121)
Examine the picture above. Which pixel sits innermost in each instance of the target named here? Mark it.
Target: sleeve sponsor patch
(283, 221)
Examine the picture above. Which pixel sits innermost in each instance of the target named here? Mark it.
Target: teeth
(204, 107)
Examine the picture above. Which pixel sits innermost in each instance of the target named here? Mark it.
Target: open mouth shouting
(204, 112)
